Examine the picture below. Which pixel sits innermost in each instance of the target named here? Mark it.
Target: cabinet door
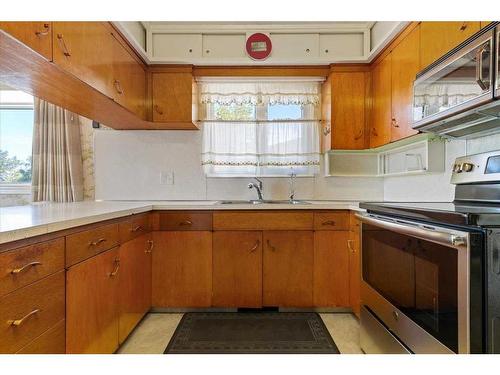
(85, 49)
(354, 270)
(331, 269)
(36, 35)
(437, 38)
(92, 302)
(172, 97)
(182, 269)
(237, 272)
(381, 111)
(294, 46)
(348, 110)
(288, 268)
(129, 80)
(135, 283)
(405, 66)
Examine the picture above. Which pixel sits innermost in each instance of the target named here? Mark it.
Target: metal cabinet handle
(137, 228)
(158, 109)
(328, 222)
(327, 130)
(15, 271)
(479, 67)
(18, 322)
(359, 135)
(186, 222)
(255, 246)
(270, 246)
(66, 52)
(374, 132)
(118, 86)
(463, 26)
(394, 123)
(46, 30)
(117, 267)
(97, 242)
(151, 245)
(349, 245)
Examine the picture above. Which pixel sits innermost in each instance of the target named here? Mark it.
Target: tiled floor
(154, 332)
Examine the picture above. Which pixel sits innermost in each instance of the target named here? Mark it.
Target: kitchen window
(260, 127)
(16, 133)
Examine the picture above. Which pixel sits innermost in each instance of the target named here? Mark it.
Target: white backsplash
(433, 187)
(128, 165)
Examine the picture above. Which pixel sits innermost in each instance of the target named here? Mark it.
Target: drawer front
(28, 312)
(251, 220)
(133, 227)
(186, 221)
(331, 220)
(25, 265)
(83, 245)
(52, 341)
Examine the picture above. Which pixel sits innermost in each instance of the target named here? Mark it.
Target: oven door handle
(455, 240)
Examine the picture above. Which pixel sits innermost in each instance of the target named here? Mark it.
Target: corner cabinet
(175, 98)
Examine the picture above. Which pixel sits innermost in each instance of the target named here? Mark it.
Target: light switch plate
(167, 178)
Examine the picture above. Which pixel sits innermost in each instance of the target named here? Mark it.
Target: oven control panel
(476, 168)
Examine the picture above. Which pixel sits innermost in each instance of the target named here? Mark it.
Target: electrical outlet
(167, 178)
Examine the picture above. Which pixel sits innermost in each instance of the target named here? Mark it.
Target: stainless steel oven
(415, 279)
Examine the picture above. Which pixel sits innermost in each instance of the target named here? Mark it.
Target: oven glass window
(416, 276)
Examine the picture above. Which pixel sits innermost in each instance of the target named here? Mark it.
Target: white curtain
(57, 154)
(261, 145)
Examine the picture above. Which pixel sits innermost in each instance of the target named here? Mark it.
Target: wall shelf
(419, 154)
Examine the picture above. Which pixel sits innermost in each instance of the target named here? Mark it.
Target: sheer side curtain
(57, 154)
(260, 127)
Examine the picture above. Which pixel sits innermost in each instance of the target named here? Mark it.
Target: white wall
(128, 165)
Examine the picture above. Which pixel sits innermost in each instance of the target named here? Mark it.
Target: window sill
(11, 189)
(257, 176)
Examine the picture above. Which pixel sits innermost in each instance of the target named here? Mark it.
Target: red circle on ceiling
(259, 46)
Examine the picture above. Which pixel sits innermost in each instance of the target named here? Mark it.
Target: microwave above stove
(458, 95)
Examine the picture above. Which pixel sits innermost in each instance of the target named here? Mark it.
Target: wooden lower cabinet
(92, 304)
(52, 341)
(135, 283)
(237, 269)
(182, 269)
(288, 268)
(331, 269)
(354, 246)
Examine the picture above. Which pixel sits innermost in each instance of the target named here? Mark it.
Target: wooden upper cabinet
(129, 80)
(288, 268)
(173, 97)
(237, 269)
(85, 49)
(437, 38)
(348, 110)
(135, 282)
(36, 35)
(380, 132)
(405, 66)
(92, 305)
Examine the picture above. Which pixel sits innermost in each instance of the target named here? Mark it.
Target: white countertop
(40, 218)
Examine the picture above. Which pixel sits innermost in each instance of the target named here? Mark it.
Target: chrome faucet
(257, 186)
(292, 186)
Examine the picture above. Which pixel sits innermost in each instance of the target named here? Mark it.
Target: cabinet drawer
(28, 312)
(133, 227)
(83, 245)
(52, 341)
(249, 220)
(186, 221)
(331, 220)
(25, 265)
